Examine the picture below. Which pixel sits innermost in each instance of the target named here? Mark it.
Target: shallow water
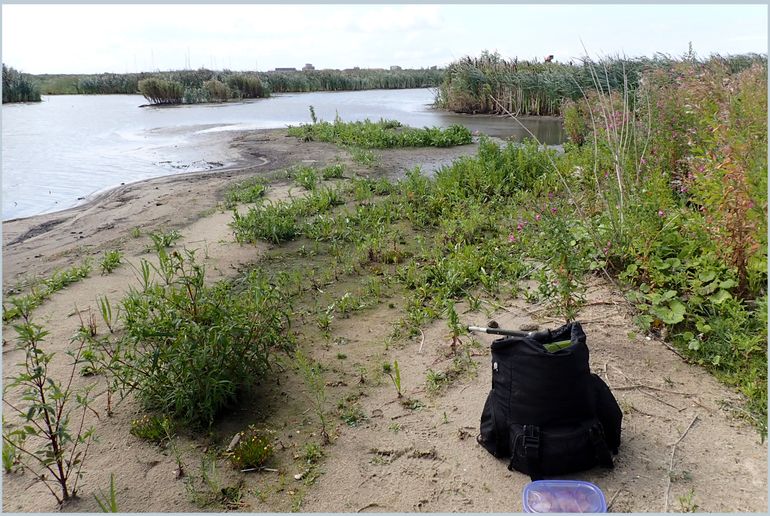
(66, 148)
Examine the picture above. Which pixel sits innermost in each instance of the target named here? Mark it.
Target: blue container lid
(563, 496)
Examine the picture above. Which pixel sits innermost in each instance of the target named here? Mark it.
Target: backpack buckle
(531, 441)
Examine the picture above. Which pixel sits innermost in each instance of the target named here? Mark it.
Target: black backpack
(546, 410)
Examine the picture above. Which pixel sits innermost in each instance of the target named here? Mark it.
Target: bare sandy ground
(396, 459)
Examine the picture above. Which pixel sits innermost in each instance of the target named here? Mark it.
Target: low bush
(160, 91)
(190, 349)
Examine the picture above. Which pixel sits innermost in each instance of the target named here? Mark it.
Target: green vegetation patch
(384, 134)
(492, 84)
(43, 289)
(19, 87)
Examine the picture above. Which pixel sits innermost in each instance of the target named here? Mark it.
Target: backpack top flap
(542, 387)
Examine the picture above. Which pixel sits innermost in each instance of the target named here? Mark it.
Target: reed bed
(241, 85)
(18, 87)
(351, 80)
(533, 88)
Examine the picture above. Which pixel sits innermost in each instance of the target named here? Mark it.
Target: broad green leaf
(674, 314)
(720, 297)
(728, 284)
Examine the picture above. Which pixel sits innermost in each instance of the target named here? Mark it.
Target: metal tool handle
(511, 333)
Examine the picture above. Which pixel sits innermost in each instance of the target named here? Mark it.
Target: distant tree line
(203, 85)
(18, 87)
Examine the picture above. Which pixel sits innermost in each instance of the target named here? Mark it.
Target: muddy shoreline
(37, 245)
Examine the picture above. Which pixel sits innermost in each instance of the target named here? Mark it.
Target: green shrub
(160, 91)
(163, 239)
(246, 86)
(217, 91)
(191, 349)
(333, 172)
(111, 261)
(306, 177)
(274, 222)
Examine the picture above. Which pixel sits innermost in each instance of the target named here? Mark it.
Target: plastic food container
(563, 496)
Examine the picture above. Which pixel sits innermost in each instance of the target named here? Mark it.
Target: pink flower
(553, 210)
(512, 238)
(537, 217)
(661, 213)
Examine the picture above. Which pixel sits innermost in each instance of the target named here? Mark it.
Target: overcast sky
(129, 38)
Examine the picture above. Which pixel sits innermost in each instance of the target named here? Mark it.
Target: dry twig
(656, 398)
(671, 461)
(674, 351)
(369, 505)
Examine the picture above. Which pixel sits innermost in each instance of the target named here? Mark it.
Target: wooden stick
(247, 470)
(671, 461)
(697, 402)
(422, 341)
(660, 400)
(594, 303)
(648, 414)
(674, 351)
(612, 500)
(369, 505)
(650, 387)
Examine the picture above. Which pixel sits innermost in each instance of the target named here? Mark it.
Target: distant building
(285, 69)
(307, 67)
(395, 68)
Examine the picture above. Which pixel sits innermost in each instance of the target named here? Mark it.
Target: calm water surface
(66, 148)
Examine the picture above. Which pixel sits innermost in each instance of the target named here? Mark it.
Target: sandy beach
(396, 460)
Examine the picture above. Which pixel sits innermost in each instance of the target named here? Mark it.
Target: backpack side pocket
(608, 412)
(558, 450)
(489, 435)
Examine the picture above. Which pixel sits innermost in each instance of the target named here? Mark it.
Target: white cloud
(92, 38)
